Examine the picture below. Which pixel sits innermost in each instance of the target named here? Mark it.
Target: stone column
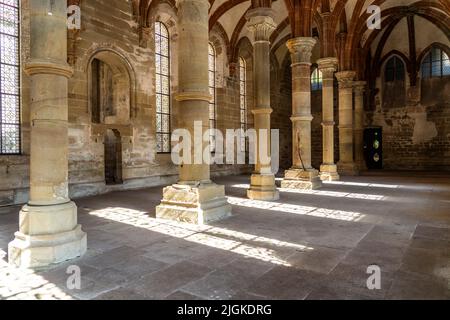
(261, 25)
(48, 232)
(302, 175)
(195, 198)
(346, 165)
(359, 87)
(328, 170)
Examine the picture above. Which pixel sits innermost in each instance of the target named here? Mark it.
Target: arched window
(9, 78)
(395, 70)
(212, 92)
(243, 101)
(435, 64)
(394, 92)
(316, 80)
(162, 63)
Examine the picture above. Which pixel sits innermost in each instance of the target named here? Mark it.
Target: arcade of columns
(49, 232)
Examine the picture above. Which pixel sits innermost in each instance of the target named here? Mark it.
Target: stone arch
(220, 42)
(425, 51)
(244, 49)
(123, 73)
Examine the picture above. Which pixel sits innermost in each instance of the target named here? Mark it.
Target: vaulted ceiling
(300, 17)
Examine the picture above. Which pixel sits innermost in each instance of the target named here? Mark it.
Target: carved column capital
(301, 49)
(359, 87)
(345, 79)
(261, 23)
(328, 66)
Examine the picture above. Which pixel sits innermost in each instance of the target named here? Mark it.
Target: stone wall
(14, 170)
(417, 136)
(109, 33)
(415, 118)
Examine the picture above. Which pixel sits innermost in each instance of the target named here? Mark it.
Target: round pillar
(328, 170)
(261, 26)
(346, 164)
(302, 175)
(359, 87)
(48, 232)
(195, 198)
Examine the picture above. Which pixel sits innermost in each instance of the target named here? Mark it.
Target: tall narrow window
(395, 70)
(9, 77)
(436, 64)
(212, 91)
(316, 80)
(394, 90)
(162, 63)
(243, 101)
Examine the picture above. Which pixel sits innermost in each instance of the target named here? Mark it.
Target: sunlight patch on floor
(323, 193)
(248, 245)
(296, 209)
(336, 194)
(25, 284)
(359, 184)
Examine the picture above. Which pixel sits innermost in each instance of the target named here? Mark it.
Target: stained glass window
(212, 91)
(395, 70)
(9, 77)
(316, 80)
(243, 101)
(162, 63)
(436, 64)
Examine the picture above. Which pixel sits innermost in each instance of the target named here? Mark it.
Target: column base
(200, 204)
(263, 187)
(48, 235)
(329, 172)
(301, 179)
(348, 169)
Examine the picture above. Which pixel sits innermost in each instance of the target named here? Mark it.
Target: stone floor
(308, 245)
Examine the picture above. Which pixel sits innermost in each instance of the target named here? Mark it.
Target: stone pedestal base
(194, 204)
(348, 169)
(48, 235)
(301, 179)
(329, 173)
(263, 187)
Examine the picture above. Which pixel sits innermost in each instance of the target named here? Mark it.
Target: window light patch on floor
(323, 193)
(296, 209)
(25, 284)
(358, 184)
(248, 245)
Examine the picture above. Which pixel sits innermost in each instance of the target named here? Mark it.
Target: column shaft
(302, 175)
(261, 25)
(359, 87)
(328, 170)
(262, 111)
(48, 232)
(346, 165)
(195, 199)
(193, 95)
